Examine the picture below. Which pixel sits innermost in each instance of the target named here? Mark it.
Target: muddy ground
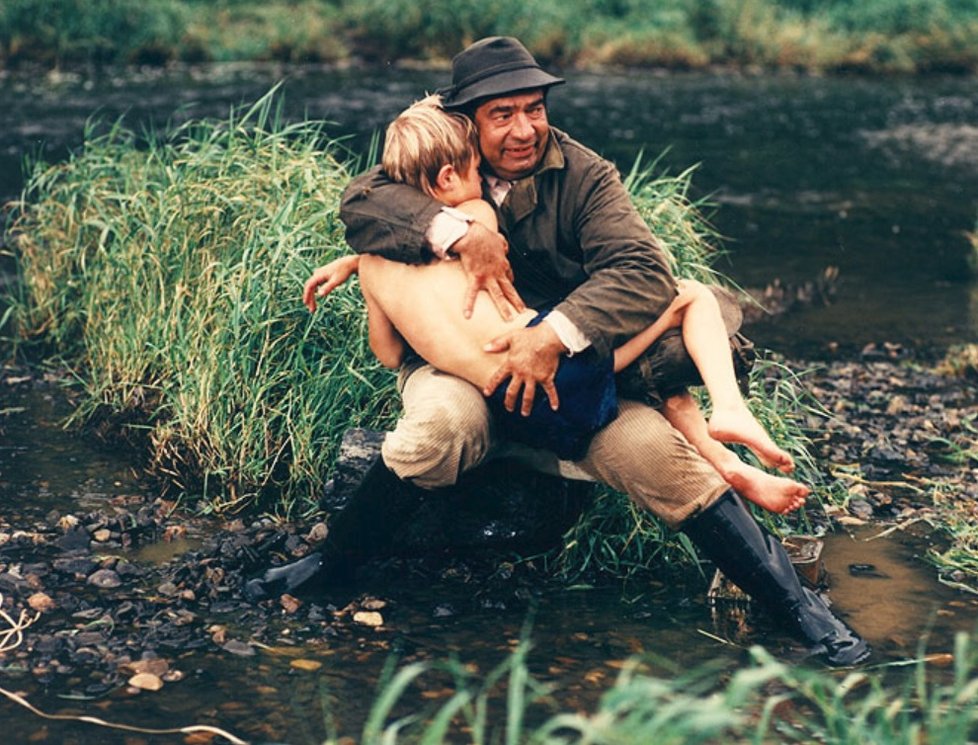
(104, 615)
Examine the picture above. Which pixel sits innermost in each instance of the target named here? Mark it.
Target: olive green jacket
(576, 241)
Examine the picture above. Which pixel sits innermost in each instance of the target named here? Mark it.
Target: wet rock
(317, 534)
(146, 682)
(168, 589)
(239, 648)
(105, 579)
(861, 508)
(368, 618)
(289, 603)
(75, 540)
(41, 602)
(498, 505)
(306, 665)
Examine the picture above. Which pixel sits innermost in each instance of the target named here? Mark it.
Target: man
(578, 246)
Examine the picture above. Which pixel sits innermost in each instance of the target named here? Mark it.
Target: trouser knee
(445, 430)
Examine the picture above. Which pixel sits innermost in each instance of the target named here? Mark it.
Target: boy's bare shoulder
(481, 211)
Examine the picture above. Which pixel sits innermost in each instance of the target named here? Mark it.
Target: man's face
(513, 133)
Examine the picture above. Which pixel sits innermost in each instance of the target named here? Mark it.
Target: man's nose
(521, 126)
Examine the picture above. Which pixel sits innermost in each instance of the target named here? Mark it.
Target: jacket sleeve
(629, 282)
(387, 218)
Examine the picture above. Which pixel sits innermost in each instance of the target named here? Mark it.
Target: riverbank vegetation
(167, 276)
(889, 36)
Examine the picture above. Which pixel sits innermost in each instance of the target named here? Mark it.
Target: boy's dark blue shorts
(588, 401)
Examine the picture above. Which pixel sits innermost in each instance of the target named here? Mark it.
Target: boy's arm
(481, 211)
(385, 341)
(327, 278)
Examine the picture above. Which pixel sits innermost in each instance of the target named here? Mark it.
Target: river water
(878, 178)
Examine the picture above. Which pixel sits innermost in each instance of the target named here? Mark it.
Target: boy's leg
(774, 493)
(706, 339)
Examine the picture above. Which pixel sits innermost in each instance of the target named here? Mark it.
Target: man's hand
(483, 256)
(327, 278)
(532, 356)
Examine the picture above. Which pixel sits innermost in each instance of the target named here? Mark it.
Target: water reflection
(894, 580)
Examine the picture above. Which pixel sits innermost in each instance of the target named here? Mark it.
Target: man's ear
(446, 176)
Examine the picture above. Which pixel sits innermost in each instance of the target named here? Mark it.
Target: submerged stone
(499, 505)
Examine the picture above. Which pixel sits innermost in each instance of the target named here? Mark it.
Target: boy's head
(434, 150)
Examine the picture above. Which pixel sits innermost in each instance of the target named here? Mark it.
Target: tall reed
(168, 275)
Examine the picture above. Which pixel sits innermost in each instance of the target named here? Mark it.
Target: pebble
(41, 602)
(146, 682)
(368, 618)
(306, 665)
(105, 579)
(242, 649)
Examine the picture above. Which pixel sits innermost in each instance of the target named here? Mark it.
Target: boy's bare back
(426, 307)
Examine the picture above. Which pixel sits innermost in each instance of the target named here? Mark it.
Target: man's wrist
(570, 336)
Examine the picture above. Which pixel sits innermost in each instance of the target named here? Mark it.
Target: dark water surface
(878, 178)
(581, 637)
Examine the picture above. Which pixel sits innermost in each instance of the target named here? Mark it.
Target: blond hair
(423, 138)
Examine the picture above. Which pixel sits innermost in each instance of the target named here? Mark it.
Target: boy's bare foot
(739, 425)
(774, 493)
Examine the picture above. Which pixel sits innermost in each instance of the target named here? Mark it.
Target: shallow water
(580, 637)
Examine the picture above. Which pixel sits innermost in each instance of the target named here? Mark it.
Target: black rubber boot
(727, 534)
(363, 529)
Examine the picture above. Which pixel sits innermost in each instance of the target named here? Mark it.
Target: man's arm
(629, 281)
(392, 220)
(386, 218)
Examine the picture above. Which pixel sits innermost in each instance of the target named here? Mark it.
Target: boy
(416, 307)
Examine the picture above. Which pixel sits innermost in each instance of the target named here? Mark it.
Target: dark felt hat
(494, 66)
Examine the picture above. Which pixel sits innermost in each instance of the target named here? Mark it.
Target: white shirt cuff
(446, 227)
(570, 336)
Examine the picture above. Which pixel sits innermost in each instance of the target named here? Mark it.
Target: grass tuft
(762, 701)
(167, 274)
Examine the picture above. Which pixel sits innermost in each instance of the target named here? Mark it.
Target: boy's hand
(532, 356)
(483, 256)
(327, 278)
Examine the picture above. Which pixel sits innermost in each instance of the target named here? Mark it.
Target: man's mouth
(518, 153)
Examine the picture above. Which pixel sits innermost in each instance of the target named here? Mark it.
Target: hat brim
(502, 84)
